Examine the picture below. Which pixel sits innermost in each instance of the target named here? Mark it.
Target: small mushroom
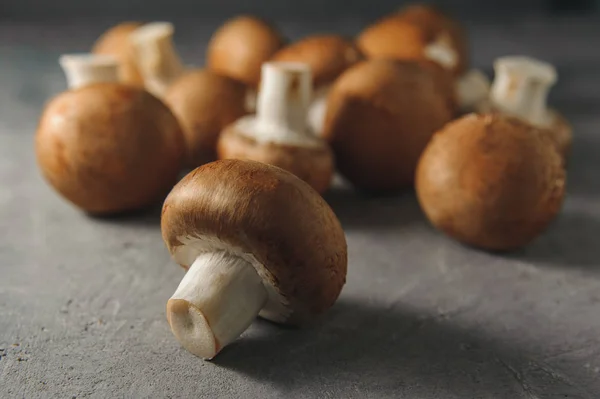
(380, 116)
(115, 42)
(490, 181)
(205, 103)
(417, 32)
(105, 146)
(327, 56)
(278, 134)
(156, 56)
(255, 241)
(520, 89)
(240, 47)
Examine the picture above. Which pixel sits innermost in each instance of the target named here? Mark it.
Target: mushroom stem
(218, 298)
(156, 56)
(317, 110)
(284, 95)
(84, 69)
(521, 88)
(441, 52)
(472, 89)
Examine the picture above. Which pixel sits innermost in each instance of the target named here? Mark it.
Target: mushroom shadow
(362, 210)
(382, 351)
(572, 241)
(149, 216)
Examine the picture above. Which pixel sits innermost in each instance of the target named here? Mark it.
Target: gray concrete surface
(82, 300)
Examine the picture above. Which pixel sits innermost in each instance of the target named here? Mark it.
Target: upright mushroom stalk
(84, 69)
(278, 134)
(521, 88)
(156, 56)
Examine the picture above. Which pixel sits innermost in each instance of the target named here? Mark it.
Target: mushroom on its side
(327, 56)
(115, 42)
(256, 241)
(520, 89)
(107, 147)
(156, 56)
(240, 46)
(278, 134)
(490, 181)
(380, 116)
(205, 103)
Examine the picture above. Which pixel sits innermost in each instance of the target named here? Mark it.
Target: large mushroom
(105, 146)
(491, 181)
(240, 46)
(205, 103)
(380, 116)
(520, 89)
(256, 241)
(327, 56)
(115, 42)
(278, 134)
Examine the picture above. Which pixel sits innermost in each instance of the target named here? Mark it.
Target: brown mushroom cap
(405, 34)
(380, 116)
(327, 55)
(109, 147)
(490, 181)
(269, 213)
(115, 42)
(313, 164)
(205, 103)
(240, 46)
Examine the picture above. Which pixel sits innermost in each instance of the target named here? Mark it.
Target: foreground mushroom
(520, 89)
(490, 181)
(255, 240)
(327, 56)
(240, 47)
(205, 103)
(156, 56)
(278, 134)
(105, 146)
(380, 116)
(115, 42)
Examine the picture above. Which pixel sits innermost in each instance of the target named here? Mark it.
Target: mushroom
(115, 42)
(240, 46)
(490, 181)
(205, 103)
(327, 56)
(105, 146)
(278, 133)
(156, 56)
(380, 116)
(417, 32)
(520, 89)
(255, 241)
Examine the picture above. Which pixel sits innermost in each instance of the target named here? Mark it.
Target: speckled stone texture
(82, 300)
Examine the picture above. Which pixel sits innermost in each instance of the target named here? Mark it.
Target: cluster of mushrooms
(263, 129)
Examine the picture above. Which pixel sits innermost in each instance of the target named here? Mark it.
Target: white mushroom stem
(472, 89)
(156, 56)
(441, 51)
(284, 95)
(218, 298)
(84, 69)
(521, 87)
(317, 110)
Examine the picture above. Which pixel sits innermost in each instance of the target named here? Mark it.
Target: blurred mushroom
(327, 56)
(490, 181)
(240, 46)
(380, 116)
(205, 103)
(278, 133)
(115, 42)
(520, 89)
(105, 146)
(156, 56)
(255, 240)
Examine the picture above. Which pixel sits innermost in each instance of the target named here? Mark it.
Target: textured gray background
(82, 300)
